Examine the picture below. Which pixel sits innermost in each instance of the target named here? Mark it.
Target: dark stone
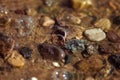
(26, 52)
(75, 45)
(114, 60)
(116, 20)
(51, 52)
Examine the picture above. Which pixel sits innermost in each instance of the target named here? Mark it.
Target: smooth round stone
(95, 34)
(15, 59)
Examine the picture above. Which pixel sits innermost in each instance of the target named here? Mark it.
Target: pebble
(113, 36)
(56, 64)
(92, 49)
(51, 52)
(26, 52)
(81, 4)
(33, 78)
(15, 59)
(114, 59)
(47, 21)
(62, 75)
(75, 45)
(89, 78)
(116, 20)
(104, 24)
(31, 12)
(95, 34)
(73, 19)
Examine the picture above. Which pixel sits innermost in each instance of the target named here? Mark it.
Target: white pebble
(56, 64)
(33, 78)
(48, 22)
(95, 34)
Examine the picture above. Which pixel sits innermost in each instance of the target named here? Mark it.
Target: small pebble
(51, 52)
(62, 75)
(26, 52)
(113, 36)
(92, 49)
(75, 45)
(104, 24)
(48, 22)
(15, 59)
(33, 78)
(81, 4)
(56, 64)
(116, 20)
(95, 34)
(114, 59)
(89, 78)
(73, 19)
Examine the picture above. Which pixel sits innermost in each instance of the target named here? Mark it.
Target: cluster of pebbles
(93, 52)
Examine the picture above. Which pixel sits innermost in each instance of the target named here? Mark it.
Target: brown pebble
(15, 59)
(51, 52)
(104, 24)
(113, 36)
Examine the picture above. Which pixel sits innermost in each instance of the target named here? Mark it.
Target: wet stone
(51, 52)
(26, 52)
(75, 45)
(15, 59)
(62, 75)
(115, 60)
(95, 34)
